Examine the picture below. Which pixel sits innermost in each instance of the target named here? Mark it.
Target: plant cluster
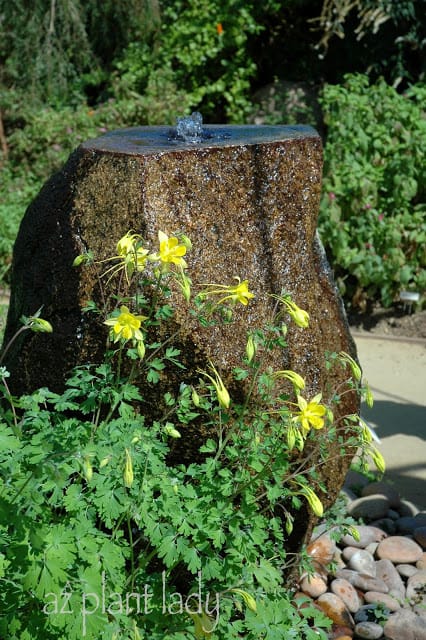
(100, 535)
(372, 218)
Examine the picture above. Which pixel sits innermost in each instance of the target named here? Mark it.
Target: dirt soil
(397, 321)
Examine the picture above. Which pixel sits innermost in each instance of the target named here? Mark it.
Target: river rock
(369, 508)
(367, 535)
(383, 489)
(421, 563)
(407, 508)
(416, 588)
(362, 581)
(368, 630)
(335, 609)
(363, 562)
(399, 549)
(322, 549)
(405, 625)
(406, 525)
(387, 572)
(420, 536)
(374, 597)
(347, 593)
(406, 570)
(313, 585)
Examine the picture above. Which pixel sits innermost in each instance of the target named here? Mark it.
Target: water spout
(190, 128)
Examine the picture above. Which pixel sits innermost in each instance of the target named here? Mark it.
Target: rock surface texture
(248, 197)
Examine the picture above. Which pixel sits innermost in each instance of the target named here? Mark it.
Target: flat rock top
(151, 140)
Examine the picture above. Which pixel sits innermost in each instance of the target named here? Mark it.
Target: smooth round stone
(341, 633)
(322, 549)
(393, 514)
(356, 480)
(371, 548)
(405, 625)
(368, 630)
(406, 570)
(313, 585)
(367, 613)
(363, 562)
(420, 519)
(374, 597)
(421, 564)
(387, 572)
(369, 508)
(416, 588)
(367, 535)
(383, 489)
(420, 536)
(387, 524)
(407, 508)
(347, 593)
(335, 609)
(362, 582)
(406, 525)
(399, 550)
(348, 552)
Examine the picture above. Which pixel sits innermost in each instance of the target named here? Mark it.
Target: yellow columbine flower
(311, 413)
(234, 293)
(130, 255)
(296, 380)
(313, 500)
(171, 252)
(221, 391)
(126, 326)
(346, 358)
(133, 255)
(299, 316)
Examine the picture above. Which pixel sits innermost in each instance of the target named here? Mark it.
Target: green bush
(101, 534)
(372, 218)
(203, 49)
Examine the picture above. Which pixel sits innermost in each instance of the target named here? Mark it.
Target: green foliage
(372, 219)
(101, 535)
(203, 49)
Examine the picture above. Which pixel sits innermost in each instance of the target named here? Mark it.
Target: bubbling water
(190, 128)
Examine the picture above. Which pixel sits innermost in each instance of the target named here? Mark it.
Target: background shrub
(373, 209)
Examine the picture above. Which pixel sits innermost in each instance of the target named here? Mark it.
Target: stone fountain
(247, 196)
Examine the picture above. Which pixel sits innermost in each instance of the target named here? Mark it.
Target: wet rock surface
(377, 587)
(247, 197)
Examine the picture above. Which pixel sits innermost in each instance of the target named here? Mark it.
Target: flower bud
(356, 371)
(195, 398)
(250, 348)
(87, 469)
(249, 601)
(38, 325)
(378, 459)
(128, 470)
(185, 241)
(79, 260)
(170, 430)
(104, 461)
(141, 349)
(368, 396)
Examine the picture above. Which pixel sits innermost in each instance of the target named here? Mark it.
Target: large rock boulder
(248, 197)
